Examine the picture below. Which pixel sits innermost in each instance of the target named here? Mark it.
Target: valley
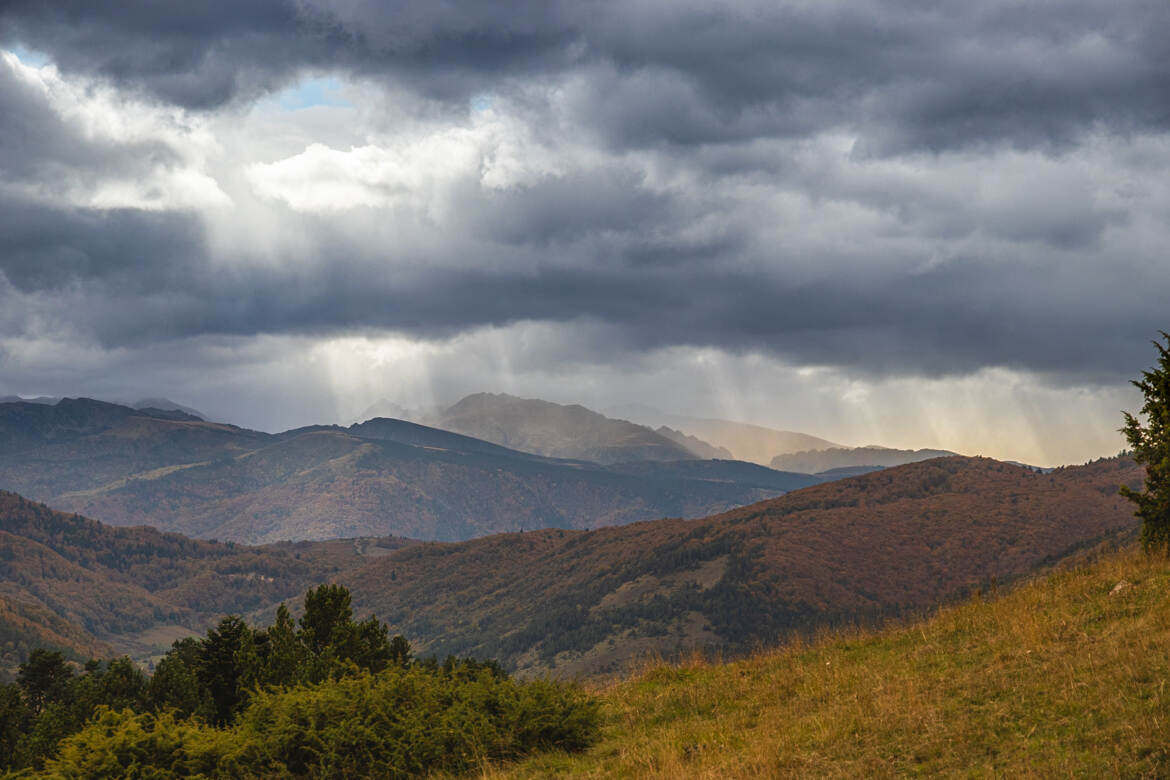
(578, 603)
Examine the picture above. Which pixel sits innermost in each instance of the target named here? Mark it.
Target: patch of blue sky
(481, 103)
(34, 59)
(309, 93)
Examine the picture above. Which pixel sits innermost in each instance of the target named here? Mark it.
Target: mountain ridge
(828, 460)
(378, 477)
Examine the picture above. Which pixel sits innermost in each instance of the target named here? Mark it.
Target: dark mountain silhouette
(167, 405)
(16, 399)
(734, 471)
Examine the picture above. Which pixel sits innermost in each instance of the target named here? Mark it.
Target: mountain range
(179, 473)
(161, 404)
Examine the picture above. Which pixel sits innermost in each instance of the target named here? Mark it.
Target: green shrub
(122, 744)
(398, 723)
(408, 722)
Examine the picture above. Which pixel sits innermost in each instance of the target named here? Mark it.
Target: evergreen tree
(223, 668)
(15, 717)
(175, 683)
(117, 684)
(285, 661)
(46, 678)
(335, 645)
(1151, 446)
(328, 615)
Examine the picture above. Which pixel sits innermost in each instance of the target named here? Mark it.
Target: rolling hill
(889, 543)
(381, 477)
(589, 603)
(82, 584)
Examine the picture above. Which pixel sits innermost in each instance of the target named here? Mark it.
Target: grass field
(1064, 676)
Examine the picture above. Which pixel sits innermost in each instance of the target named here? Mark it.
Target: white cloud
(164, 149)
(415, 169)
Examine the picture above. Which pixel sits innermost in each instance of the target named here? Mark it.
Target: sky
(876, 221)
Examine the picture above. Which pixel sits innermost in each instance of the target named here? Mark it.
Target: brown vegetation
(891, 543)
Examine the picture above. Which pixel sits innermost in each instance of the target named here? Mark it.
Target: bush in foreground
(402, 722)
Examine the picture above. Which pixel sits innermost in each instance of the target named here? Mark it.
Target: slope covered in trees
(888, 543)
(132, 587)
(894, 542)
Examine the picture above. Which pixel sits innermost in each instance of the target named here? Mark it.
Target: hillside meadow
(1063, 676)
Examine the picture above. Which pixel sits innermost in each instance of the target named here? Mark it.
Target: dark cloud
(899, 74)
(37, 146)
(709, 210)
(203, 55)
(131, 278)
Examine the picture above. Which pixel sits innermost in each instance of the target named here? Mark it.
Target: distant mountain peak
(745, 441)
(558, 430)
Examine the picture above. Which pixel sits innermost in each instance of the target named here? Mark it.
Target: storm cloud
(882, 189)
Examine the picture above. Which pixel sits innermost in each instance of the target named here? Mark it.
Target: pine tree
(1151, 446)
(223, 668)
(286, 655)
(45, 678)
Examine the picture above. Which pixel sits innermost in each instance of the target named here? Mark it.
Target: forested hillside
(893, 542)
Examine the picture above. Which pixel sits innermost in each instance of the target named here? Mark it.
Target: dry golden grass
(1059, 678)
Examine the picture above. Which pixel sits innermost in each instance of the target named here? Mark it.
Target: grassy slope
(1060, 677)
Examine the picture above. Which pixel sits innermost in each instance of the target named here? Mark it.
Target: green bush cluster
(403, 722)
(327, 696)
